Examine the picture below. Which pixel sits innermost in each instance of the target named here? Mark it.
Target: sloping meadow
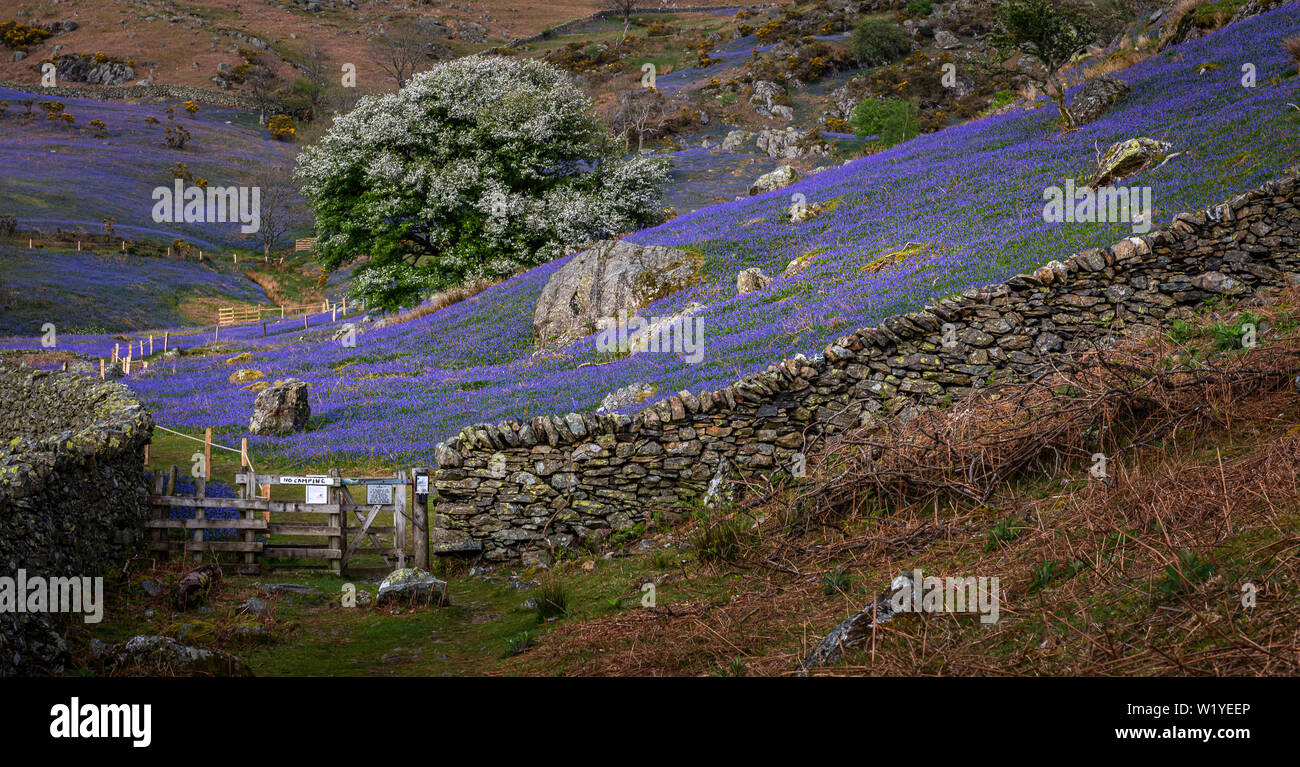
(61, 175)
(958, 208)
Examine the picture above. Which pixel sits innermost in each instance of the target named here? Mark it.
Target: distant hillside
(93, 293)
(61, 175)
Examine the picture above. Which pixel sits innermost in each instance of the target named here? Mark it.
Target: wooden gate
(333, 522)
(376, 495)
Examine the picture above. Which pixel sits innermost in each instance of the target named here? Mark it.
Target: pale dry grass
(442, 300)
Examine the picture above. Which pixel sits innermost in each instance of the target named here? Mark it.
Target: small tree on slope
(1050, 32)
(479, 167)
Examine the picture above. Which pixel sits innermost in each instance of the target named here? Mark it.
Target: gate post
(420, 515)
(337, 519)
(248, 490)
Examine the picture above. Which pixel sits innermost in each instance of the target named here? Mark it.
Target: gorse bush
(891, 121)
(20, 37)
(877, 42)
(478, 167)
(281, 127)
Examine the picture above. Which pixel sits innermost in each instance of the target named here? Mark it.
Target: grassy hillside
(971, 195)
(69, 176)
(87, 292)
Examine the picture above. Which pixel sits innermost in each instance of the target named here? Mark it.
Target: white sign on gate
(379, 495)
(310, 479)
(317, 494)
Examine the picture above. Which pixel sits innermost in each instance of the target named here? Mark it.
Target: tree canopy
(476, 168)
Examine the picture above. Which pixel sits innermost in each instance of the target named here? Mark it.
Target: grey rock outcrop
(789, 143)
(281, 408)
(611, 277)
(1128, 158)
(946, 40)
(161, 655)
(782, 176)
(1096, 97)
(412, 585)
(79, 68)
(735, 140)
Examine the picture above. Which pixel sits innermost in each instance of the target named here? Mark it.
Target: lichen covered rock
(281, 408)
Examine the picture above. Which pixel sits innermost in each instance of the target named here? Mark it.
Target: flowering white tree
(478, 167)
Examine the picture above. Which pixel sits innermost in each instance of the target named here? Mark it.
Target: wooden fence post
(166, 334)
(161, 512)
(200, 492)
(337, 519)
(247, 490)
(399, 518)
(101, 367)
(207, 453)
(420, 516)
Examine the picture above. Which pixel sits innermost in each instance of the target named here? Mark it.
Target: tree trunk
(1058, 95)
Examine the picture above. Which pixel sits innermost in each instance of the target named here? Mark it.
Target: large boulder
(95, 70)
(1097, 95)
(1128, 158)
(411, 585)
(611, 277)
(281, 408)
(782, 176)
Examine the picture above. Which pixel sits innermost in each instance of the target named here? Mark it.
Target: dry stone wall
(71, 494)
(152, 92)
(519, 489)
